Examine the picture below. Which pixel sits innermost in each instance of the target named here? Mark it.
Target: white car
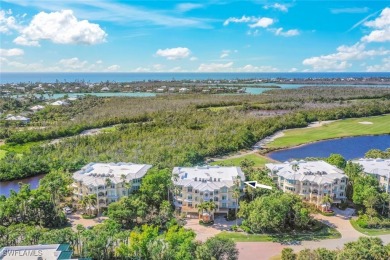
(67, 210)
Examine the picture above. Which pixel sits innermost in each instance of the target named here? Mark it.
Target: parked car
(67, 210)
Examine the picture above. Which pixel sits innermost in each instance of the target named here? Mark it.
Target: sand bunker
(366, 123)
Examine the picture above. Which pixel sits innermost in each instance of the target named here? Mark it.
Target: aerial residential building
(109, 181)
(21, 119)
(380, 168)
(36, 108)
(39, 252)
(312, 180)
(194, 185)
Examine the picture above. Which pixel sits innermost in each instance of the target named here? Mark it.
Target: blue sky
(194, 36)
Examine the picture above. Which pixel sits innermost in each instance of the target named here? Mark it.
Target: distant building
(108, 181)
(38, 252)
(60, 103)
(105, 89)
(21, 119)
(312, 180)
(183, 90)
(195, 185)
(379, 168)
(36, 108)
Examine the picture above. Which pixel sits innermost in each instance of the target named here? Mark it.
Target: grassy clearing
(324, 233)
(2, 153)
(368, 231)
(20, 148)
(259, 160)
(340, 128)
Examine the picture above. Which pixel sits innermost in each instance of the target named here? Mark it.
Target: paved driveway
(75, 219)
(265, 250)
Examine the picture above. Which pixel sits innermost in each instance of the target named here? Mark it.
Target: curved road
(266, 250)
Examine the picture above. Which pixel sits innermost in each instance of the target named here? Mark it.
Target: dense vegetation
(365, 248)
(173, 131)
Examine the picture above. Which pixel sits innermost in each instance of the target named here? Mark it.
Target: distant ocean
(16, 77)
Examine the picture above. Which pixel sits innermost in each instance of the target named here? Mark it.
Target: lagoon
(348, 147)
(7, 186)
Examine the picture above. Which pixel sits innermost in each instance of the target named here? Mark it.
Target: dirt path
(93, 131)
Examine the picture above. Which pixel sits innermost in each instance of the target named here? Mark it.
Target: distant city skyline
(194, 36)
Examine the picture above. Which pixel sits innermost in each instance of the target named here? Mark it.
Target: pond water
(7, 186)
(349, 148)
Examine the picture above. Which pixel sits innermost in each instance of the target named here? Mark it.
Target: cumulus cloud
(174, 53)
(113, 68)
(262, 22)
(73, 64)
(8, 22)
(277, 6)
(251, 68)
(288, 33)
(11, 52)
(381, 26)
(60, 27)
(255, 21)
(385, 66)
(228, 67)
(215, 67)
(339, 60)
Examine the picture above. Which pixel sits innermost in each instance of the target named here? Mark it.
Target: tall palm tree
(327, 200)
(236, 194)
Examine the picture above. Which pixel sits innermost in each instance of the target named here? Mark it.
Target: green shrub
(86, 216)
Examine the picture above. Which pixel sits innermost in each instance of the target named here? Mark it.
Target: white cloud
(251, 68)
(215, 67)
(193, 58)
(255, 21)
(339, 60)
(60, 27)
(385, 66)
(8, 22)
(113, 68)
(262, 22)
(293, 70)
(174, 53)
(350, 10)
(288, 33)
(142, 69)
(277, 6)
(73, 64)
(381, 26)
(185, 7)
(11, 52)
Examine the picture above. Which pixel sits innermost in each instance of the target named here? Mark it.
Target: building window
(341, 194)
(342, 180)
(201, 193)
(216, 192)
(189, 189)
(190, 197)
(215, 198)
(196, 198)
(291, 181)
(189, 204)
(223, 205)
(223, 197)
(196, 191)
(123, 193)
(224, 190)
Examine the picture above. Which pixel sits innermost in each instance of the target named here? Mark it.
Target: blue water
(14, 77)
(102, 94)
(349, 148)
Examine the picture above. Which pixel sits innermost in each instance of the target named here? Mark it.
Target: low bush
(374, 223)
(86, 216)
(201, 222)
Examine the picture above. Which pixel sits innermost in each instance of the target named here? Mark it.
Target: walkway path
(265, 250)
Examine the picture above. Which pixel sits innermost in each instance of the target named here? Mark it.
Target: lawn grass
(340, 128)
(325, 233)
(19, 148)
(2, 153)
(259, 160)
(370, 231)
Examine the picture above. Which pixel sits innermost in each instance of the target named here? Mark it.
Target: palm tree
(327, 200)
(236, 194)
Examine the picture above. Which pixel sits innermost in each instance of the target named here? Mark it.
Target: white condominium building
(194, 185)
(380, 168)
(109, 181)
(312, 180)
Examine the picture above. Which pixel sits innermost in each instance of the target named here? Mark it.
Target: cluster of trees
(370, 248)
(376, 153)
(37, 207)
